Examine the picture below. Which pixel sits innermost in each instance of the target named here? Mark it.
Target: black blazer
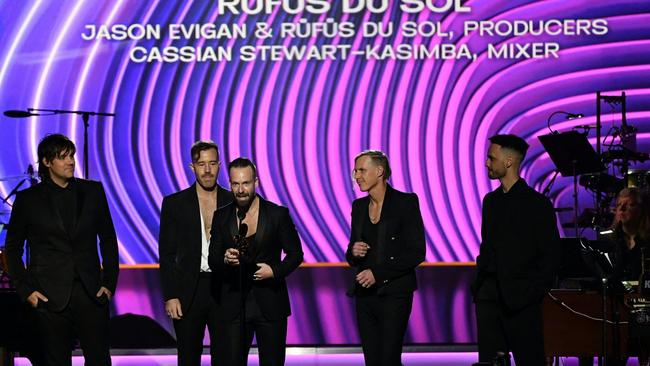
(55, 253)
(400, 241)
(179, 243)
(520, 246)
(276, 233)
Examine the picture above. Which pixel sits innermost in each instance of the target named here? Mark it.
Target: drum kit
(638, 178)
(603, 171)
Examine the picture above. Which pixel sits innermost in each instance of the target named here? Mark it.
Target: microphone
(32, 177)
(240, 242)
(566, 114)
(19, 114)
(574, 115)
(240, 239)
(243, 229)
(241, 213)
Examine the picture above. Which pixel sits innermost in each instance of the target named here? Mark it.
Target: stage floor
(346, 359)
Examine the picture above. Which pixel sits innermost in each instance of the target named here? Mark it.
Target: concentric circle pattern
(302, 122)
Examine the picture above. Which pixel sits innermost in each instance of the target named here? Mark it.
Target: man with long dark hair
(61, 219)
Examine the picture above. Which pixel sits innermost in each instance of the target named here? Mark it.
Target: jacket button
(392, 238)
(385, 281)
(392, 258)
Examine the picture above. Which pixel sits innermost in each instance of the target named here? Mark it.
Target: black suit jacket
(520, 246)
(179, 243)
(275, 234)
(55, 253)
(400, 241)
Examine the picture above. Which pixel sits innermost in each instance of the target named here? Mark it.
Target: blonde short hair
(378, 158)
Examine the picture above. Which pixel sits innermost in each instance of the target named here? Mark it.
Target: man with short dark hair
(249, 237)
(386, 245)
(61, 219)
(519, 257)
(185, 228)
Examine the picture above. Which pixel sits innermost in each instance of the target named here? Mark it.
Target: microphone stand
(242, 301)
(590, 256)
(14, 191)
(32, 181)
(547, 189)
(241, 245)
(85, 117)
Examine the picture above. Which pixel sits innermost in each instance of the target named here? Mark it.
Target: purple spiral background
(302, 122)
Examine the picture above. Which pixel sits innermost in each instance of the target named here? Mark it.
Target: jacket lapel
(194, 214)
(81, 198)
(232, 222)
(224, 197)
(260, 234)
(386, 212)
(359, 218)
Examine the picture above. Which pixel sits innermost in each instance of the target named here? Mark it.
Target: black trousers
(271, 336)
(83, 318)
(520, 331)
(190, 329)
(382, 322)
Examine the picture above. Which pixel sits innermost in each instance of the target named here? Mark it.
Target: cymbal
(13, 177)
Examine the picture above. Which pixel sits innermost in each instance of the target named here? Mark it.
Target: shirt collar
(519, 186)
(57, 188)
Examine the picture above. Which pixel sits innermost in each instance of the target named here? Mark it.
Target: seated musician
(631, 236)
(630, 232)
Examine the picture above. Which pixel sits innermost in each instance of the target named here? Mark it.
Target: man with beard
(519, 257)
(66, 283)
(185, 229)
(248, 239)
(386, 245)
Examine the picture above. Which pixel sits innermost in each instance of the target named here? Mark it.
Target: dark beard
(244, 206)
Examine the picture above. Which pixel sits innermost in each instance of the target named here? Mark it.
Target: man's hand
(232, 257)
(173, 309)
(365, 278)
(360, 249)
(103, 290)
(265, 272)
(35, 297)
